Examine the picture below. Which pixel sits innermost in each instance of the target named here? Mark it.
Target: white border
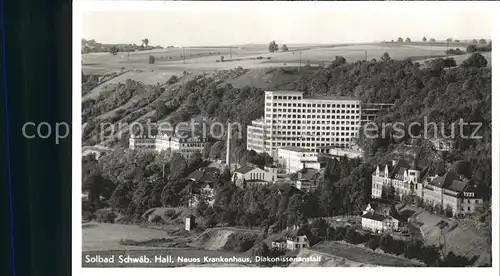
(80, 6)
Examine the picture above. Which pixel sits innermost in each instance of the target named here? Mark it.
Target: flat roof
(336, 98)
(284, 91)
(296, 149)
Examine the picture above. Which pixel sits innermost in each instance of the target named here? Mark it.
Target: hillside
(336, 254)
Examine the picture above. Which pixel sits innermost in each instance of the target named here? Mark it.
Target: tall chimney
(228, 147)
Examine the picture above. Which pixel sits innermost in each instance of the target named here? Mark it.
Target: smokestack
(228, 147)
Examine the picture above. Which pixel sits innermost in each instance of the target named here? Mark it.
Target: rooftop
(245, 169)
(336, 98)
(295, 149)
(207, 175)
(374, 216)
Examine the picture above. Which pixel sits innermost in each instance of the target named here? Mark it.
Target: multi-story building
(314, 123)
(452, 191)
(256, 136)
(142, 142)
(399, 178)
(447, 191)
(293, 159)
(370, 111)
(186, 146)
(378, 221)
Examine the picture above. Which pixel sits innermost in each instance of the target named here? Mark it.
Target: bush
(475, 60)
(151, 59)
(157, 219)
(173, 79)
(105, 216)
(240, 242)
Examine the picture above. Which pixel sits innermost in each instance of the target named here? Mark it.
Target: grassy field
(204, 59)
(362, 255)
(462, 236)
(105, 236)
(103, 239)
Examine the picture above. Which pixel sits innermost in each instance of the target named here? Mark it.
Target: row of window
(284, 97)
(295, 98)
(299, 135)
(310, 145)
(352, 128)
(317, 122)
(256, 176)
(293, 116)
(290, 110)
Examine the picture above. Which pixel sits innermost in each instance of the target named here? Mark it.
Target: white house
(307, 179)
(378, 222)
(186, 146)
(293, 159)
(279, 244)
(297, 242)
(254, 175)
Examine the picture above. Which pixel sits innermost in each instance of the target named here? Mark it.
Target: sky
(236, 26)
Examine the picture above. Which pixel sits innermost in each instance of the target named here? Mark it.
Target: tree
(145, 42)
(373, 243)
(449, 62)
(385, 57)
(432, 40)
(400, 39)
(114, 50)
(482, 41)
(284, 48)
(449, 40)
(474, 41)
(273, 47)
(448, 211)
(475, 60)
(424, 39)
(151, 59)
(338, 61)
(222, 58)
(471, 49)
(407, 40)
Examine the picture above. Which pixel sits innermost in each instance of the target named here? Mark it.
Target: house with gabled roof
(449, 190)
(307, 179)
(453, 191)
(206, 177)
(378, 220)
(401, 177)
(253, 175)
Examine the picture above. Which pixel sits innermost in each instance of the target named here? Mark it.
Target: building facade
(297, 242)
(314, 123)
(379, 223)
(253, 175)
(450, 191)
(307, 179)
(142, 142)
(256, 136)
(293, 159)
(186, 146)
(370, 111)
